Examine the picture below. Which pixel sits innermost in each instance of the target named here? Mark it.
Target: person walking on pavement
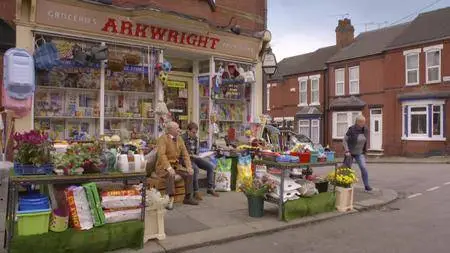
(192, 145)
(173, 159)
(355, 146)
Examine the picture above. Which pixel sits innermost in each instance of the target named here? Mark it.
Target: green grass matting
(321, 203)
(128, 234)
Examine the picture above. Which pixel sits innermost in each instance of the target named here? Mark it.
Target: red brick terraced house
(356, 86)
(417, 88)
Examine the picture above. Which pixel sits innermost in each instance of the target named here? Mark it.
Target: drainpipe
(325, 135)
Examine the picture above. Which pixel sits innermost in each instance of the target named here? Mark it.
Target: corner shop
(195, 57)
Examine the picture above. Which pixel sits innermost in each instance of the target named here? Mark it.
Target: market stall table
(16, 181)
(287, 167)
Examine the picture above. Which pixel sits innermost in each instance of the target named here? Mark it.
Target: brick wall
(249, 14)
(7, 10)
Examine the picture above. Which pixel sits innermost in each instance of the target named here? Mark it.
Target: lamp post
(269, 63)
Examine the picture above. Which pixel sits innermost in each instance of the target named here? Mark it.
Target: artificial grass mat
(128, 234)
(321, 203)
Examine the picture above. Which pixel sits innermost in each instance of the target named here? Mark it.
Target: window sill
(314, 104)
(423, 138)
(354, 93)
(433, 82)
(300, 105)
(411, 84)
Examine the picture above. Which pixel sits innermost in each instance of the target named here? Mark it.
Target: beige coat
(169, 153)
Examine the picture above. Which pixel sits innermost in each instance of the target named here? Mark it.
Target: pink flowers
(32, 137)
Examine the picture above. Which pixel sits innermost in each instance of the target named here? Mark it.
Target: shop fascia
(153, 32)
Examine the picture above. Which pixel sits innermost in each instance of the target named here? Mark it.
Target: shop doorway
(376, 129)
(178, 97)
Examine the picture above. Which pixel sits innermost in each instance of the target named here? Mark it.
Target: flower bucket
(29, 169)
(255, 206)
(59, 221)
(344, 199)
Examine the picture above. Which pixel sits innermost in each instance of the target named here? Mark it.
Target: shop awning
(7, 37)
(308, 112)
(424, 95)
(347, 103)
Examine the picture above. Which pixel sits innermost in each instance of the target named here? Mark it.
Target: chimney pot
(345, 33)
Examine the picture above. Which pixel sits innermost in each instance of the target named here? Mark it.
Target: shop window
(342, 121)
(412, 66)
(339, 76)
(423, 120)
(67, 98)
(433, 64)
(303, 91)
(315, 91)
(353, 74)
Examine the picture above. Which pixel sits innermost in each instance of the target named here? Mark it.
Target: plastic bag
(123, 215)
(260, 171)
(80, 213)
(244, 168)
(307, 189)
(121, 199)
(223, 175)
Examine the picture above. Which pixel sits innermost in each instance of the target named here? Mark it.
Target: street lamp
(269, 63)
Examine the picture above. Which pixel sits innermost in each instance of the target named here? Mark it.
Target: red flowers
(32, 147)
(32, 137)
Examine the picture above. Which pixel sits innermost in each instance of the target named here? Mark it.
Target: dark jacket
(187, 142)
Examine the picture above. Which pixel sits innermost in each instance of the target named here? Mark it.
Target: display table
(16, 181)
(286, 168)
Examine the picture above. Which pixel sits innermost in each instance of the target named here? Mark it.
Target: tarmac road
(417, 223)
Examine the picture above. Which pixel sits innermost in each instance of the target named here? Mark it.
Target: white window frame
(268, 97)
(354, 81)
(315, 123)
(423, 137)
(413, 52)
(350, 122)
(432, 49)
(339, 82)
(301, 80)
(312, 79)
(304, 123)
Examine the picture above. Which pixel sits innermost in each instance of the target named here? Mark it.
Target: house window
(339, 76)
(353, 74)
(303, 91)
(315, 91)
(433, 63)
(303, 127)
(342, 121)
(268, 97)
(423, 120)
(310, 129)
(412, 66)
(315, 131)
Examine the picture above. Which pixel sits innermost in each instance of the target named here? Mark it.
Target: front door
(376, 129)
(177, 94)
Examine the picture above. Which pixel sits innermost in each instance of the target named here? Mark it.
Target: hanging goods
(166, 66)
(46, 56)
(99, 54)
(18, 81)
(79, 56)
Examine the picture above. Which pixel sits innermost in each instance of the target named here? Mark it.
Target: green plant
(86, 156)
(257, 187)
(343, 177)
(32, 148)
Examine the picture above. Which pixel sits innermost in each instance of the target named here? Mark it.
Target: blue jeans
(200, 163)
(361, 161)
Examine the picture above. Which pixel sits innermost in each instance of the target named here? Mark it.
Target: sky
(302, 26)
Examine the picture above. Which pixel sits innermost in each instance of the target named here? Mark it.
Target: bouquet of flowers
(32, 148)
(258, 186)
(343, 177)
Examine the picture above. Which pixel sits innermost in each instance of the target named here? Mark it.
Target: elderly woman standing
(355, 145)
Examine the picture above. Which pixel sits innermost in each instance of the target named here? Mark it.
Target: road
(417, 223)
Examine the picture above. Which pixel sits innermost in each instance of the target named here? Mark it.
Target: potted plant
(343, 178)
(32, 153)
(255, 190)
(79, 158)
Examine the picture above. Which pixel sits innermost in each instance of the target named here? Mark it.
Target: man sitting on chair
(173, 159)
(191, 140)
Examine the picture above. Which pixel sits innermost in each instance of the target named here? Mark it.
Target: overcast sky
(302, 26)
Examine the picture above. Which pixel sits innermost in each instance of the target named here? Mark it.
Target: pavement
(415, 223)
(406, 160)
(225, 219)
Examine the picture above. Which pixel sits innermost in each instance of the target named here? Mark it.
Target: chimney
(345, 33)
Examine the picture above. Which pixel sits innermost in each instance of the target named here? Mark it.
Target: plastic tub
(330, 156)
(314, 157)
(33, 201)
(33, 223)
(59, 221)
(28, 169)
(305, 157)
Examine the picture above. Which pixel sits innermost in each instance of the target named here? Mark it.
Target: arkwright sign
(151, 29)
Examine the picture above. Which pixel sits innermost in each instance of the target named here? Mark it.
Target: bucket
(255, 206)
(330, 156)
(59, 220)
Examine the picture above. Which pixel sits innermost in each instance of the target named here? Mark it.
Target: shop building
(99, 100)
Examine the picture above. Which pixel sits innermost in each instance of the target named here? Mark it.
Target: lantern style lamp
(269, 63)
